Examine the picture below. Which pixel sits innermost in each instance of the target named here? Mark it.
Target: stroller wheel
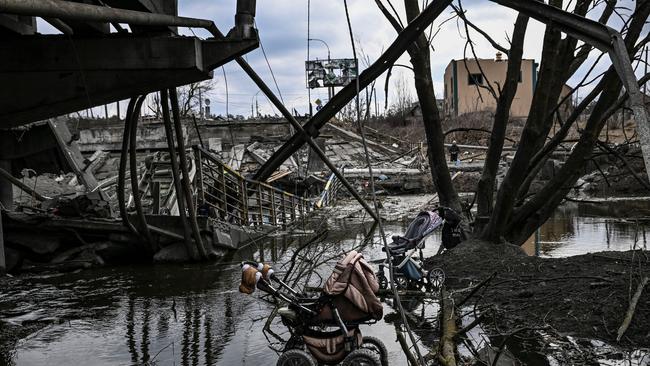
(376, 346)
(362, 357)
(383, 281)
(296, 357)
(436, 278)
(401, 282)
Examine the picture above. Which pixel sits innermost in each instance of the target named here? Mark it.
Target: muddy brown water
(194, 314)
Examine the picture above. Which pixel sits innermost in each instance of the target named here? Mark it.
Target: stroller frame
(407, 269)
(297, 312)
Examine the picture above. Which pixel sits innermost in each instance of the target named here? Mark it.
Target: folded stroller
(407, 269)
(325, 330)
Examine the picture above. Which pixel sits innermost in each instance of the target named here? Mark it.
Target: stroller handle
(268, 274)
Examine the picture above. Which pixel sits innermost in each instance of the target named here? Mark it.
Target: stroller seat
(420, 227)
(325, 328)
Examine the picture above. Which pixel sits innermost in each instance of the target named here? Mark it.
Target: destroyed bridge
(186, 194)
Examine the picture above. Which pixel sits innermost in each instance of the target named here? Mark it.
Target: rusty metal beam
(404, 40)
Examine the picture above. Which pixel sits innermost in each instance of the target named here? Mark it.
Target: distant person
(454, 150)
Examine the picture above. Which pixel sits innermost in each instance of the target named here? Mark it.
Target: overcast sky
(282, 28)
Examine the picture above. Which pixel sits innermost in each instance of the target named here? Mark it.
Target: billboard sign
(330, 73)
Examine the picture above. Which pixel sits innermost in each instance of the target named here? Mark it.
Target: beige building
(465, 90)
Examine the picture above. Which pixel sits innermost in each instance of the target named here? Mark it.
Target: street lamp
(325, 43)
(330, 90)
(253, 98)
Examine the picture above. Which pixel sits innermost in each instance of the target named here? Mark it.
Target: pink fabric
(355, 279)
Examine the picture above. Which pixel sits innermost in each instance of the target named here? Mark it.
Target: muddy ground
(546, 302)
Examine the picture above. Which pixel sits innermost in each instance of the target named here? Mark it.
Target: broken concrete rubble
(246, 151)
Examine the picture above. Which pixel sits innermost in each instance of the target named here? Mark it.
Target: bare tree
(514, 214)
(189, 96)
(402, 100)
(420, 60)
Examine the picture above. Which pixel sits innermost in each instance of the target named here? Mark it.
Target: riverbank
(565, 309)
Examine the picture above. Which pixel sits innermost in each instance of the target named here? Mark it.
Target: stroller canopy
(423, 225)
(354, 280)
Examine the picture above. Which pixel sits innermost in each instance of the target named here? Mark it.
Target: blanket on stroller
(355, 280)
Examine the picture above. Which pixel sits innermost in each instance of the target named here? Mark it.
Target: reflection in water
(194, 315)
(571, 231)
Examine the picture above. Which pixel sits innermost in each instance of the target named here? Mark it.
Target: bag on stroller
(348, 299)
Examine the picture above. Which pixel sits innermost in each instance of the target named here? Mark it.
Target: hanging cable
(270, 68)
(374, 197)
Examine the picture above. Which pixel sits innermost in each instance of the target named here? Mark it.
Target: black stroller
(407, 269)
(325, 330)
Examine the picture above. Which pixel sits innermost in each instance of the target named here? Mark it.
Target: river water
(194, 314)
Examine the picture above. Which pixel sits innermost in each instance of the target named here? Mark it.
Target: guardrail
(329, 194)
(230, 197)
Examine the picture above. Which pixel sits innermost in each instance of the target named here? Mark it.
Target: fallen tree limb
(630, 310)
(475, 289)
(448, 330)
(470, 326)
(402, 341)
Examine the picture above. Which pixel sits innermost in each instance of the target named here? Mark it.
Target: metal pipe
(93, 13)
(121, 175)
(135, 186)
(245, 18)
(186, 189)
(169, 134)
(5, 174)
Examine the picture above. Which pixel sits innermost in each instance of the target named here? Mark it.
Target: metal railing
(230, 197)
(330, 192)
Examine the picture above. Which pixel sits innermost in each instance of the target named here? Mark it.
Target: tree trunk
(538, 209)
(535, 131)
(431, 116)
(486, 184)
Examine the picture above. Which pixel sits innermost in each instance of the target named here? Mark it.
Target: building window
(475, 79)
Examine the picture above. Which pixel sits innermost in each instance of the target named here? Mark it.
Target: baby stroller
(325, 330)
(407, 270)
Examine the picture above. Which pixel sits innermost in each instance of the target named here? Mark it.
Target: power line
(270, 68)
(374, 197)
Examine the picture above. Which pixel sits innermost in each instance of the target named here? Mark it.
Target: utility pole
(200, 101)
(308, 39)
(118, 109)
